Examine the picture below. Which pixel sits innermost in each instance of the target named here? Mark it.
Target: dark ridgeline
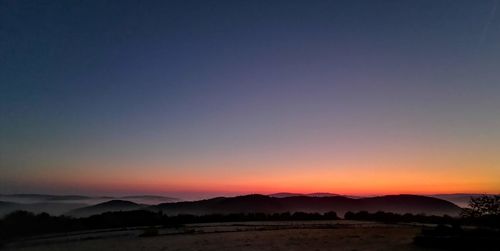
(52, 207)
(254, 204)
(340, 204)
(150, 197)
(64, 204)
(109, 206)
(284, 195)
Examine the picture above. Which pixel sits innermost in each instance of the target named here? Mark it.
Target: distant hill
(460, 199)
(340, 204)
(149, 199)
(61, 204)
(284, 195)
(282, 202)
(52, 208)
(109, 206)
(152, 197)
(322, 194)
(411, 204)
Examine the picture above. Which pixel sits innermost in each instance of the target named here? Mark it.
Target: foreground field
(328, 235)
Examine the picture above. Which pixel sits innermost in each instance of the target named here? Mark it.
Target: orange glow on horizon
(347, 181)
(308, 173)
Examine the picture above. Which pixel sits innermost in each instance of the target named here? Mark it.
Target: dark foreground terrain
(296, 235)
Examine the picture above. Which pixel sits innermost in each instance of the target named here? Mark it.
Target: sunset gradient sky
(205, 98)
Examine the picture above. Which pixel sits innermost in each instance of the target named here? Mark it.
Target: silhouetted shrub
(483, 211)
(482, 206)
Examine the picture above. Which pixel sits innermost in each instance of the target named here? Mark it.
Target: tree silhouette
(483, 206)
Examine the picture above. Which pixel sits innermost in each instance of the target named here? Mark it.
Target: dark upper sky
(162, 96)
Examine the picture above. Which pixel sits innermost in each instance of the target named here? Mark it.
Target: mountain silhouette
(266, 204)
(252, 204)
(109, 206)
(53, 208)
(60, 204)
(150, 197)
(284, 195)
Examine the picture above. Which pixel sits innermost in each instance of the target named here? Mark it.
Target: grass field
(306, 235)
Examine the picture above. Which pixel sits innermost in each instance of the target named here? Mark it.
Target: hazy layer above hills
(460, 199)
(81, 199)
(285, 194)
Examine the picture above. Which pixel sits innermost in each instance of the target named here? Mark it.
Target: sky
(206, 98)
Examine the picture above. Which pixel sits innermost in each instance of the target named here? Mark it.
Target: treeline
(395, 218)
(22, 223)
(488, 220)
